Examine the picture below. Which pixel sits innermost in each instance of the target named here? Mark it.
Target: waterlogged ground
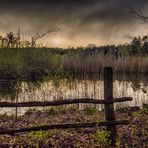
(134, 135)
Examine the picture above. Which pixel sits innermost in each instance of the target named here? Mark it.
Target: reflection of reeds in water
(81, 89)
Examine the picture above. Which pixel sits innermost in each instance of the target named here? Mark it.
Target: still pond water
(128, 86)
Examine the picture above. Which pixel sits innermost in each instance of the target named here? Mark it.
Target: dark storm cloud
(77, 18)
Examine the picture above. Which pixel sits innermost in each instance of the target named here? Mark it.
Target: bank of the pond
(133, 135)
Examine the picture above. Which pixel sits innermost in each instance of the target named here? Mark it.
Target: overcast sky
(81, 21)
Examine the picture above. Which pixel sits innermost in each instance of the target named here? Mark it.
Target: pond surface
(74, 89)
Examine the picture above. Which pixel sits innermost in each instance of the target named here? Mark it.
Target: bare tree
(13, 40)
(11, 37)
(134, 11)
(39, 36)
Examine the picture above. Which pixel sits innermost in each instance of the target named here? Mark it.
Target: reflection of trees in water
(138, 81)
(139, 86)
(10, 89)
(136, 85)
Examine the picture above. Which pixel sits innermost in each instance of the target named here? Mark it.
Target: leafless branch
(135, 12)
(39, 36)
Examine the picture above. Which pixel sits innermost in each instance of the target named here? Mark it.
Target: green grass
(52, 111)
(144, 109)
(90, 110)
(29, 63)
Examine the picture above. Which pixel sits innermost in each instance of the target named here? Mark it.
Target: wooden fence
(110, 120)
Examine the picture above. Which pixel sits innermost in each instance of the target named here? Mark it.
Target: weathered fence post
(109, 108)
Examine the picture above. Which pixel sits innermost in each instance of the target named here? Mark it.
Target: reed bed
(43, 62)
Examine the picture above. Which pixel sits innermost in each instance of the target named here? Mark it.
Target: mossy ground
(134, 135)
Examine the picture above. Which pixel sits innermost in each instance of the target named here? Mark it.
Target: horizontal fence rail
(64, 126)
(63, 102)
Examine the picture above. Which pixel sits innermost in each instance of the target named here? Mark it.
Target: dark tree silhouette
(136, 45)
(144, 48)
